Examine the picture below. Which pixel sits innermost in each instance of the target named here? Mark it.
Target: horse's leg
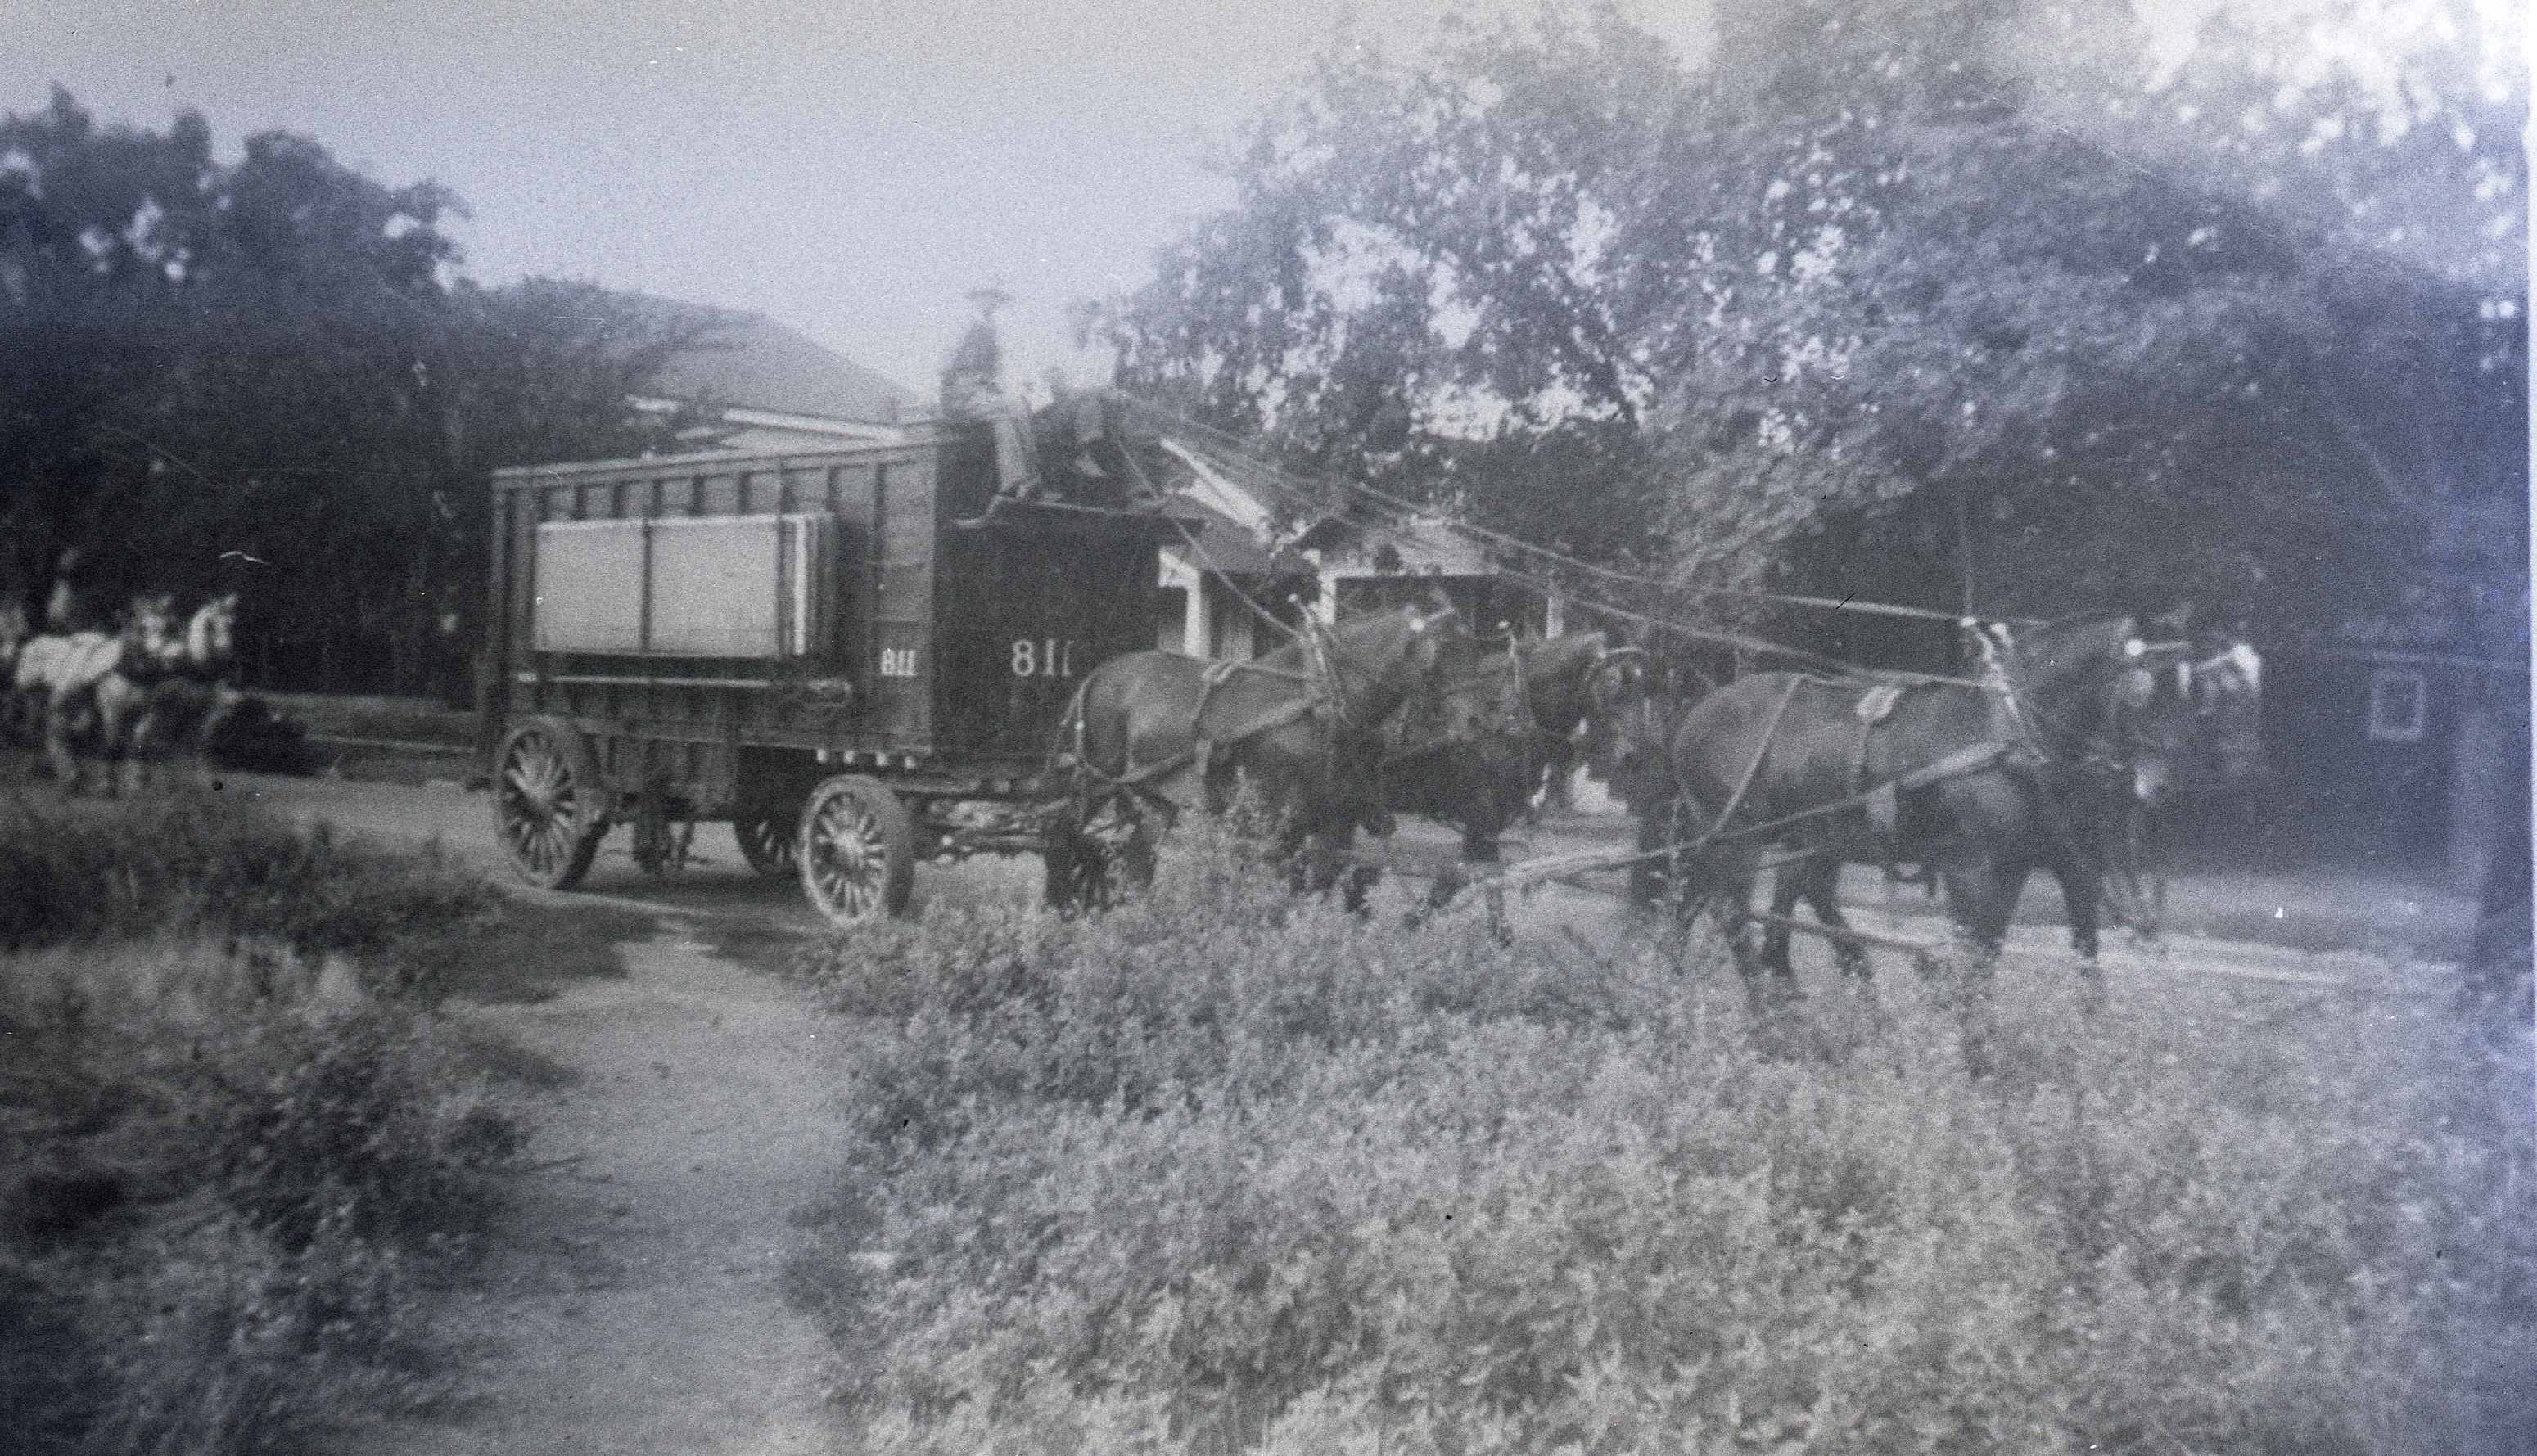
(1648, 876)
(1787, 884)
(1978, 907)
(1822, 888)
(1724, 886)
(59, 724)
(137, 744)
(2082, 883)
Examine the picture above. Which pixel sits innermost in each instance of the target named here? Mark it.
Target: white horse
(166, 692)
(52, 696)
(118, 696)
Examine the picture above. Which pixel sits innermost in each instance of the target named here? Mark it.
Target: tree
(271, 362)
(1851, 299)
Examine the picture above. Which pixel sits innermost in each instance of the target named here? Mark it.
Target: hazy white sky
(848, 167)
(851, 168)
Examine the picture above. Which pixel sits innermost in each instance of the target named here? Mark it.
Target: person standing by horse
(71, 607)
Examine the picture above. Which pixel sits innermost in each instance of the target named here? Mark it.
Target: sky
(849, 169)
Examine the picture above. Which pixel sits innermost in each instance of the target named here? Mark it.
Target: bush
(226, 1163)
(1162, 1180)
(201, 863)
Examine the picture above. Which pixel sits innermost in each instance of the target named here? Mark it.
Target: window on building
(2399, 704)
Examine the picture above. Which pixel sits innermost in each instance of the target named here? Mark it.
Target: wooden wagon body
(889, 629)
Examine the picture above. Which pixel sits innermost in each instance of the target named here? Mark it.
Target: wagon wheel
(857, 849)
(548, 808)
(770, 839)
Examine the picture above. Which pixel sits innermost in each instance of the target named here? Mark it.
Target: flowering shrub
(1225, 1171)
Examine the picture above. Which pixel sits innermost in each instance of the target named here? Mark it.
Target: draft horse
(1981, 784)
(1473, 750)
(1153, 734)
(159, 703)
(127, 696)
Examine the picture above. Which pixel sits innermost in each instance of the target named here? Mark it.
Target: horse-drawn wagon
(855, 658)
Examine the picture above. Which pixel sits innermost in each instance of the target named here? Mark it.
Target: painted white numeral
(1052, 656)
(898, 661)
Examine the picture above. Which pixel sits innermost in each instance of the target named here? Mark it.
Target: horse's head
(1636, 704)
(2149, 724)
(2189, 716)
(150, 622)
(1376, 662)
(2225, 683)
(1558, 676)
(211, 633)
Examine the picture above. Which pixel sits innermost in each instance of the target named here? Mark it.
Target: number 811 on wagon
(1043, 656)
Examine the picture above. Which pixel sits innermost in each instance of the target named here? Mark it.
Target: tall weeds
(229, 1142)
(1221, 1171)
(189, 864)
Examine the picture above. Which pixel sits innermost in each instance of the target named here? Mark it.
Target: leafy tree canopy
(1875, 292)
(274, 356)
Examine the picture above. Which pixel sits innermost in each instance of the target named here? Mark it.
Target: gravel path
(632, 1303)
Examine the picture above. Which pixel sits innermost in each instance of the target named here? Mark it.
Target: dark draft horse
(1473, 750)
(1152, 734)
(1978, 783)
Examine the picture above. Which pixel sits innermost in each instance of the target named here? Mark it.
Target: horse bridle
(1318, 640)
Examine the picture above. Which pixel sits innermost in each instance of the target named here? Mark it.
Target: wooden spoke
(857, 850)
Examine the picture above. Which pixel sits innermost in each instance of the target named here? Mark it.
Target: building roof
(757, 363)
(1227, 547)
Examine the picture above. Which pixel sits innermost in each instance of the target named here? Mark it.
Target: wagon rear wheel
(549, 809)
(770, 839)
(857, 849)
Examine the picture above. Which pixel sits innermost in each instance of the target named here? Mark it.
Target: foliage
(1869, 281)
(1157, 1182)
(73, 872)
(226, 1170)
(272, 358)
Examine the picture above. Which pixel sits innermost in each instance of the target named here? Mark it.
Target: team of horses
(149, 691)
(2049, 754)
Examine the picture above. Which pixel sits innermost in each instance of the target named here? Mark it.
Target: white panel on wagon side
(587, 587)
(685, 585)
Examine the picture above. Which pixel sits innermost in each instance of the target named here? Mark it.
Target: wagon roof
(686, 461)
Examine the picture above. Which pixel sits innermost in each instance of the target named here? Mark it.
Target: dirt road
(681, 1116)
(632, 1300)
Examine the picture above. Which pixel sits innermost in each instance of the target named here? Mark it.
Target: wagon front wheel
(857, 849)
(548, 805)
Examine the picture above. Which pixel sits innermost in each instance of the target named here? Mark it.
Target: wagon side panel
(898, 659)
(1026, 610)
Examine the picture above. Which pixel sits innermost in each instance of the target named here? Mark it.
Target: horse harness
(1323, 696)
(2023, 749)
